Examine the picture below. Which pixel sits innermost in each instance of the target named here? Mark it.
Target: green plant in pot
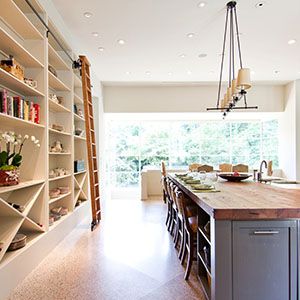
(11, 146)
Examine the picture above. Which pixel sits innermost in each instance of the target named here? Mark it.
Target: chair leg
(173, 217)
(181, 242)
(184, 247)
(164, 196)
(175, 240)
(190, 256)
(168, 214)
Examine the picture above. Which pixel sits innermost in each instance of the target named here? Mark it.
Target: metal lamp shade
(243, 79)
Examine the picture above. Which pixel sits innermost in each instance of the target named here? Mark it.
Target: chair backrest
(169, 191)
(205, 168)
(163, 169)
(182, 205)
(194, 167)
(173, 190)
(225, 167)
(240, 168)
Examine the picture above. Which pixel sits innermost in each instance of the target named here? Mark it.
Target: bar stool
(205, 168)
(190, 224)
(225, 167)
(240, 168)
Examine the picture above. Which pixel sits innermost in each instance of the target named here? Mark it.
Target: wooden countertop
(246, 200)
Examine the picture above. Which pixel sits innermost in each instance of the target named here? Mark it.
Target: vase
(8, 178)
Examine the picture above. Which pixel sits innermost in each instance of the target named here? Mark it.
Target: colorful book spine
(4, 101)
(26, 110)
(36, 113)
(31, 112)
(10, 106)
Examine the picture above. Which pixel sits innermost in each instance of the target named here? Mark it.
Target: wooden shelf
(59, 132)
(78, 173)
(59, 177)
(53, 106)
(11, 47)
(77, 118)
(55, 60)
(12, 15)
(56, 83)
(79, 138)
(17, 122)
(78, 99)
(64, 153)
(17, 85)
(204, 234)
(21, 185)
(59, 197)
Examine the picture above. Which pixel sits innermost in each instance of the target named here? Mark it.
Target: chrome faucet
(259, 174)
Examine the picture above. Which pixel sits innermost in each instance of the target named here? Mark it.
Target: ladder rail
(90, 142)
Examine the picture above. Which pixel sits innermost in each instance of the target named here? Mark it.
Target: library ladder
(90, 141)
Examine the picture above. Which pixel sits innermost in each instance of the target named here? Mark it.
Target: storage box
(11, 66)
(79, 166)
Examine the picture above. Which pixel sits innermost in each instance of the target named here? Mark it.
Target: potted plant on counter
(11, 156)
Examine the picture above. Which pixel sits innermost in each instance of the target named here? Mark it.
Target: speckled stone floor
(130, 256)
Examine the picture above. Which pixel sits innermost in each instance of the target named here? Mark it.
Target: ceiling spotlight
(182, 55)
(148, 73)
(101, 49)
(121, 42)
(202, 4)
(95, 34)
(202, 55)
(260, 4)
(276, 72)
(170, 73)
(190, 35)
(189, 72)
(87, 14)
(128, 73)
(292, 42)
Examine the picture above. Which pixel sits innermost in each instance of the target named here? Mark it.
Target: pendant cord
(222, 62)
(230, 46)
(232, 33)
(238, 38)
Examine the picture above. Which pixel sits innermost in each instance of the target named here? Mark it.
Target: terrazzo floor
(130, 256)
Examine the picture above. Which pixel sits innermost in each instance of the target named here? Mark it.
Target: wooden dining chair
(205, 168)
(163, 179)
(240, 168)
(194, 167)
(225, 167)
(190, 224)
(172, 212)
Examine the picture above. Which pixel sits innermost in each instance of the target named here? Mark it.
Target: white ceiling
(155, 34)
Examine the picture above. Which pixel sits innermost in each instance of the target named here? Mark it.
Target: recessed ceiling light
(121, 42)
(128, 73)
(101, 49)
(202, 4)
(148, 73)
(260, 4)
(190, 35)
(182, 55)
(87, 14)
(189, 72)
(202, 55)
(276, 72)
(292, 42)
(170, 73)
(95, 34)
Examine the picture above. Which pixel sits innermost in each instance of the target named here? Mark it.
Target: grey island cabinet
(252, 249)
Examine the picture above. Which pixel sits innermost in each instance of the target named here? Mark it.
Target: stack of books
(18, 107)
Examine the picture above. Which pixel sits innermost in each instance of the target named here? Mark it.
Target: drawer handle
(266, 232)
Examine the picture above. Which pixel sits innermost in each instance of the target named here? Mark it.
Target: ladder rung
(97, 198)
(95, 171)
(96, 184)
(98, 212)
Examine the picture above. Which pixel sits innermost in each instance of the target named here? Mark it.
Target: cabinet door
(265, 260)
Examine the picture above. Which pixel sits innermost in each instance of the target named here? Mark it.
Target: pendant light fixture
(237, 86)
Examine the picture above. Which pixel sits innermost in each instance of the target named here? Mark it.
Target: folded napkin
(181, 175)
(189, 181)
(202, 186)
(205, 191)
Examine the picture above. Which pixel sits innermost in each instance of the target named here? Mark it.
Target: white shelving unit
(20, 37)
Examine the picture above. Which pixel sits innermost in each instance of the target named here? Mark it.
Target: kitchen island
(253, 240)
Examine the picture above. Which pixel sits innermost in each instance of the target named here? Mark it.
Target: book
(3, 99)
(18, 109)
(10, 105)
(31, 112)
(26, 110)
(36, 113)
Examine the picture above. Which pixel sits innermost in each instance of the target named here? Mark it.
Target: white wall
(269, 98)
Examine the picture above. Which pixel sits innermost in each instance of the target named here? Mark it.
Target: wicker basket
(13, 67)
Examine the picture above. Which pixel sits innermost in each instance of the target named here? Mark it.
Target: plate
(234, 178)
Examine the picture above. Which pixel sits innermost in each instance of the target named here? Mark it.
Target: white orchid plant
(10, 154)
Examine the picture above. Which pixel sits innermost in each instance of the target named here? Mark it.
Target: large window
(132, 145)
